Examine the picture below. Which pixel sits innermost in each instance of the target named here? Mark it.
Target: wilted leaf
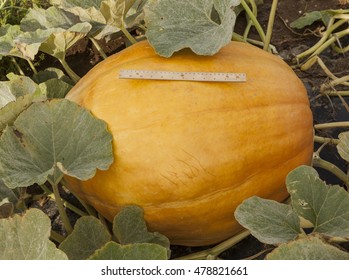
(115, 251)
(309, 18)
(309, 248)
(201, 25)
(50, 139)
(343, 146)
(89, 234)
(21, 44)
(130, 227)
(269, 221)
(326, 207)
(27, 238)
(8, 35)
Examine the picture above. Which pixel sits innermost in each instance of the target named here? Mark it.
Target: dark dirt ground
(287, 42)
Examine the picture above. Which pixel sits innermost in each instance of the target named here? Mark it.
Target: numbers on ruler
(185, 76)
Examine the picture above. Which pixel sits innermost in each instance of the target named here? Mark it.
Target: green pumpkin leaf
(16, 95)
(60, 41)
(16, 86)
(130, 227)
(20, 43)
(89, 234)
(115, 251)
(311, 17)
(309, 248)
(269, 221)
(51, 18)
(203, 26)
(51, 73)
(55, 88)
(7, 194)
(326, 207)
(50, 139)
(8, 41)
(27, 238)
(8, 198)
(105, 16)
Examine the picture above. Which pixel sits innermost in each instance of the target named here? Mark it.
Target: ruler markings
(183, 76)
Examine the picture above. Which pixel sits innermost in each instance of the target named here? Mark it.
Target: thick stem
(239, 38)
(32, 66)
(270, 25)
(98, 47)
(254, 20)
(65, 203)
(250, 23)
(331, 40)
(69, 71)
(338, 81)
(324, 140)
(331, 125)
(331, 27)
(319, 162)
(213, 253)
(128, 35)
(90, 210)
(56, 237)
(60, 207)
(19, 69)
(337, 92)
(74, 209)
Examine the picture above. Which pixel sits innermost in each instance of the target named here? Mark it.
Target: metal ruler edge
(182, 76)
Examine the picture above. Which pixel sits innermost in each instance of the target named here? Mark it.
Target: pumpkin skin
(189, 152)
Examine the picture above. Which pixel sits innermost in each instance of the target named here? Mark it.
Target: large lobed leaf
(50, 139)
(27, 238)
(19, 43)
(91, 239)
(89, 234)
(326, 207)
(309, 248)
(144, 251)
(105, 16)
(130, 227)
(201, 25)
(269, 221)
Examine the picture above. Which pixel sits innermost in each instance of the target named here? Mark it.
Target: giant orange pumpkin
(190, 152)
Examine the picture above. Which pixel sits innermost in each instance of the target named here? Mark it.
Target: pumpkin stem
(254, 20)
(214, 252)
(128, 35)
(98, 48)
(60, 207)
(270, 25)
